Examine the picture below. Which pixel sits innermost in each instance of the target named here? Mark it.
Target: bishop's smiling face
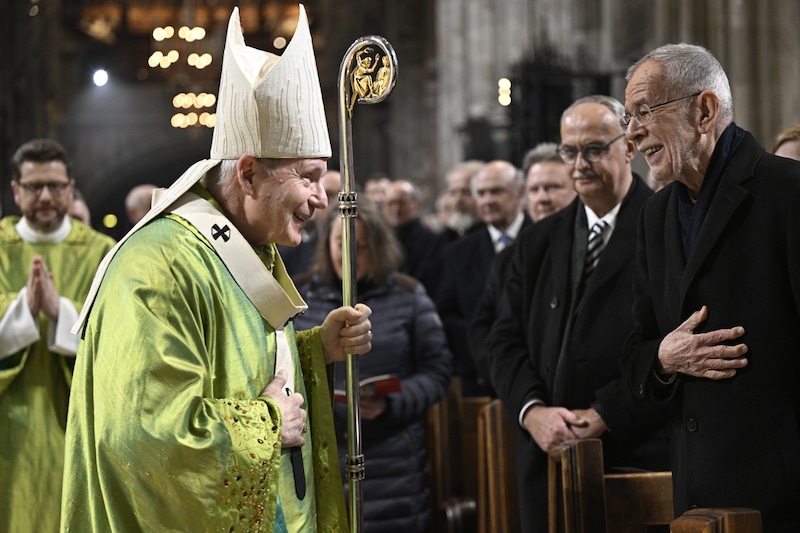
(284, 198)
(668, 141)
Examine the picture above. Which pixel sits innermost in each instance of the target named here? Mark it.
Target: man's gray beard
(460, 222)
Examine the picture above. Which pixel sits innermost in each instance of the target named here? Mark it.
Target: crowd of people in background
(657, 313)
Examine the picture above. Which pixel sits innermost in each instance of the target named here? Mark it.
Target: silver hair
(537, 154)
(222, 174)
(689, 69)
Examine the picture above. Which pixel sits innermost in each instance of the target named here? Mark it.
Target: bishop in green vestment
(168, 431)
(195, 405)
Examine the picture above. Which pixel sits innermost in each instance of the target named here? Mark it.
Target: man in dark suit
(717, 290)
(498, 189)
(548, 189)
(566, 311)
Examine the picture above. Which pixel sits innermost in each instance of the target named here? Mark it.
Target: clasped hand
(550, 426)
(40, 290)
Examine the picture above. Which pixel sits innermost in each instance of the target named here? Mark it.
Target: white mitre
(268, 106)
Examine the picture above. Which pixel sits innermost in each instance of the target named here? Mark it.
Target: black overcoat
(525, 343)
(736, 442)
(464, 273)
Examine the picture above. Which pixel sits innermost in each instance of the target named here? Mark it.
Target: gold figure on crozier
(365, 83)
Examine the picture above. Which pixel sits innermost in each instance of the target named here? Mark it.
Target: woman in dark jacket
(409, 343)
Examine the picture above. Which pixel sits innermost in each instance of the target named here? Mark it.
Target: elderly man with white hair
(717, 290)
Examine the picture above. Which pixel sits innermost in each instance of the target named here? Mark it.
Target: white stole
(277, 300)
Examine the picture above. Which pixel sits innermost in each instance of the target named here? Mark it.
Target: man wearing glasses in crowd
(717, 290)
(47, 262)
(566, 311)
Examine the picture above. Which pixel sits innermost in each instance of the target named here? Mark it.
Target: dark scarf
(691, 214)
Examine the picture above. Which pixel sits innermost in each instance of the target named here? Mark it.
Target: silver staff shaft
(367, 75)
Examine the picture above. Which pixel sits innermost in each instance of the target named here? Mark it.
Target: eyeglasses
(645, 113)
(36, 189)
(592, 152)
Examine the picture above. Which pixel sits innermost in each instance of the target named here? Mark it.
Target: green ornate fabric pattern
(167, 431)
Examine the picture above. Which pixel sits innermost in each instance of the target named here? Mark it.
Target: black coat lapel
(729, 196)
(673, 239)
(561, 239)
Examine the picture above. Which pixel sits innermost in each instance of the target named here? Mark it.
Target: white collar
(30, 235)
(512, 230)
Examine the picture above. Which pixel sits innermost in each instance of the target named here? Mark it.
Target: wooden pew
(497, 486)
(712, 520)
(439, 478)
(452, 460)
(584, 499)
(440, 428)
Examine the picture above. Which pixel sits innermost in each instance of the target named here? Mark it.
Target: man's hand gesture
(41, 292)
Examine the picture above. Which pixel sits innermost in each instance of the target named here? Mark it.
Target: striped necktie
(594, 247)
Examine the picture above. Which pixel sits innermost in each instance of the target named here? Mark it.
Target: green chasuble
(34, 383)
(167, 431)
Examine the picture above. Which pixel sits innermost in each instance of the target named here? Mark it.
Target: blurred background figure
(465, 211)
(299, 259)
(376, 187)
(137, 202)
(548, 186)
(461, 218)
(402, 210)
(79, 209)
(787, 143)
(409, 343)
(443, 210)
(47, 262)
(549, 189)
(498, 188)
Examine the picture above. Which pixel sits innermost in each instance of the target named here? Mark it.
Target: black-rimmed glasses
(645, 113)
(35, 189)
(592, 152)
